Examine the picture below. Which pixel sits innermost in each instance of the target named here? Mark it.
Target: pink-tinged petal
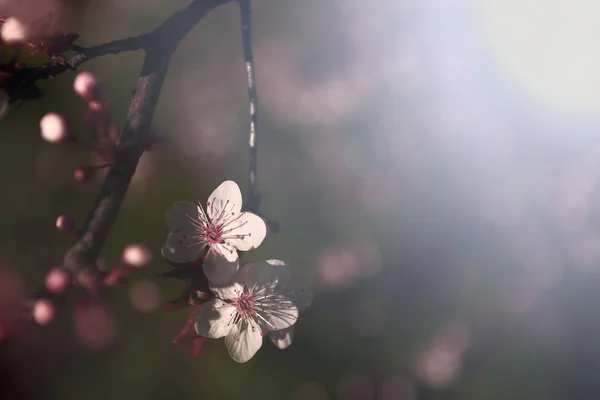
(182, 248)
(245, 232)
(224, 202)
(183, 216)
(243, 341)
(280, 313)
(219, 270)
(269, 274)
(213, 320)
(282, 338)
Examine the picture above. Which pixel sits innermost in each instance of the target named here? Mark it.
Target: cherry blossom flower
(260, 299)
(223, 228)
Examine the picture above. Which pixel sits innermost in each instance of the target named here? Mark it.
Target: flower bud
(13, 31)
(43, 311)
(86, 86)
(65, 224)
(57, 280)
(84, 173)
(136, 256)
(55, 128)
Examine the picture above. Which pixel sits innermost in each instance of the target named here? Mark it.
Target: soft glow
(43, 311)
(136, 255)
(13, 31)
(54, 128)
(549, 48)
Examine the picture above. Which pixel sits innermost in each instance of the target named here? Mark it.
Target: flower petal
(213, 319)
(267, 273)
(229, 291)
(181, 248)
(225, 250)
(245, 232)
(219, 270)
(279, 312)
(282, 338)
(223, 201)
(243, 341)
(181, 216)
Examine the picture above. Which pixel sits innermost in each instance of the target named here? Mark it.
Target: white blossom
(260, 299)
(223, 228)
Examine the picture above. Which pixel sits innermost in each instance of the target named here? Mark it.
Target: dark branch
(159, 46)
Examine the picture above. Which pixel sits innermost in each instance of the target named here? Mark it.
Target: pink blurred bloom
(57, 280)
(43, 311)
(54, 128)
(136, 255)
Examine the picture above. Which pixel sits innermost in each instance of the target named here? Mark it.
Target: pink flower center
(212, 235)
(244, 305)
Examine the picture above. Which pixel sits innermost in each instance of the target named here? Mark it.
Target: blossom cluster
(245, 302)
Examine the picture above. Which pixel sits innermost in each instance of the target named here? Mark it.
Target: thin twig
(62, 64)
(246, 16)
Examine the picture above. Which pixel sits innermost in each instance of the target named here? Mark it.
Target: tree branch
(159, 46)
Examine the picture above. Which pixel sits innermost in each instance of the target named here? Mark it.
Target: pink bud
(54, 128)
(136, 255)
(84, 173)
(86, 86)
(13, 31)
(57, 280)
(43, 311)
(65, 224)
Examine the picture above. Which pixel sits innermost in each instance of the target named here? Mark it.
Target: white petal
(282, 338)
(182, 248)
(181, 216)
(243, 341)
(267, 273)
(228, 291)
(224, 200)
(279, 312)
(213, 320)
(219, 270)
(225, 250)
(245, 232)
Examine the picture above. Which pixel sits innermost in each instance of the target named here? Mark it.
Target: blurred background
(434, 166)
